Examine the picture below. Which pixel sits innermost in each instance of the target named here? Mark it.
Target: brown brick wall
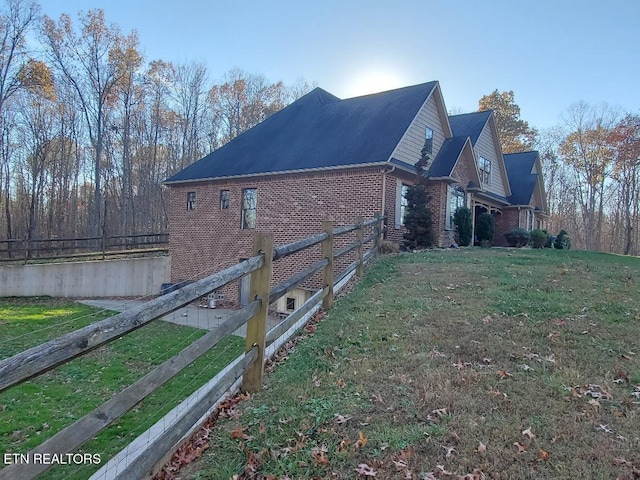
(509, 219)
(208, 239)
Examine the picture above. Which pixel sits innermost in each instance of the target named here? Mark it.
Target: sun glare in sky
(372, 81)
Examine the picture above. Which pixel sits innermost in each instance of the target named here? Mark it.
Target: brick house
(326, 158)
(510, 186)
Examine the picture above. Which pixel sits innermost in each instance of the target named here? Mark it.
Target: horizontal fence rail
(249, 367)
(158, 448)
(42, 358)
(52, 248)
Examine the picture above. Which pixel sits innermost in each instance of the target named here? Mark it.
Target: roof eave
(447, 179)
(488, 196)
(381, 163)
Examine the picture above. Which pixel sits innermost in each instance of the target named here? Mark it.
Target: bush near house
(550, 241)
(563, 241)
(517, 237)
(538, 238)
(418, 219)
(464, 225)
(485, 229)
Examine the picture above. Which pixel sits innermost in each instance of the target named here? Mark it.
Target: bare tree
(587, 150)
(15, 22)
(87, 60)
(625, 140)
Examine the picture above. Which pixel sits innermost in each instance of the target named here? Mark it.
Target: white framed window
(291, 304)
(224, 199)
(401, 202)
(249, 207)
(456, 199)
(484, 169)
(428, 140)
(191, 200)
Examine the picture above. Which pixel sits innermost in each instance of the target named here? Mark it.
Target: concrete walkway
(192, 316)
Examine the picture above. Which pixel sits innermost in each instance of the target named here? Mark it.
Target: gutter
(283, 172)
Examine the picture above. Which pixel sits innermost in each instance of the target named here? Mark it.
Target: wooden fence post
(257, 324)
(360, 251)
(327, 252)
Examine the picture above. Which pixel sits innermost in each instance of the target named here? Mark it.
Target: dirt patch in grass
(477, 363)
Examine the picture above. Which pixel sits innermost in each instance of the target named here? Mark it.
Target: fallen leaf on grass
(450, 451)
(340, 419)
(503, 374)
(604, 428)
(318, 454)
(341, 383)
(521, 448)
(543, 455)
(593, 391)
(436, 354)
(400, 464)
(594, 403)
(482, 448)
(440, 412)
(622, 461)
(366, 470)
(344, 444)
(238, 433)
(362, 440)
(486, 320)
(528, 433)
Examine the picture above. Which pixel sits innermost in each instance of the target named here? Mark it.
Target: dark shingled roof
(469, 124)
(316, 131)
(519, 167)
(449, 153)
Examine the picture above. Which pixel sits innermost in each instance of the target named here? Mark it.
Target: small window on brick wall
(291, 303)
(249, 207)
(191, 200)
(224, 199)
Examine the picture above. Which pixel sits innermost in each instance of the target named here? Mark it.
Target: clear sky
(551, 53)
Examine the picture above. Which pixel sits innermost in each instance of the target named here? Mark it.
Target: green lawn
(474, 363)
(36, 410)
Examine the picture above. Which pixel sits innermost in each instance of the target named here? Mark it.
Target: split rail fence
(107, 245)
(248, 368)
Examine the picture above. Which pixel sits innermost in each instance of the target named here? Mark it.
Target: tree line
(591, 168)
(89, 128)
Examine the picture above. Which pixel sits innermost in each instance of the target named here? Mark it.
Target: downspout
(384, 187)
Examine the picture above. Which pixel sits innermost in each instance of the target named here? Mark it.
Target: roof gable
(317, 131)
(470, 124)
(481, 129)
(432, 115)
(526, 181)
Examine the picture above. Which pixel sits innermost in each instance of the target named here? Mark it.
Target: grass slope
(474, 363)
(36, 410)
